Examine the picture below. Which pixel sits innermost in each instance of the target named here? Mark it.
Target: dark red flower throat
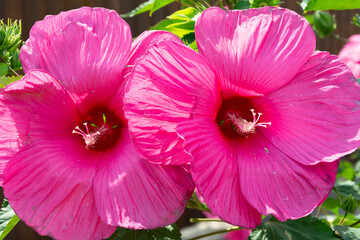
(237, 117)
(100, 129)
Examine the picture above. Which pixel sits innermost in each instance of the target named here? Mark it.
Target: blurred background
(30, 11)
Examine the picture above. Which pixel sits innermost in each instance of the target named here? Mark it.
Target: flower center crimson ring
(100, 129)
(238, 119)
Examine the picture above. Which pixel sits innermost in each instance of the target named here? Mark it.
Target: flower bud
(324, 23)
(349, 204)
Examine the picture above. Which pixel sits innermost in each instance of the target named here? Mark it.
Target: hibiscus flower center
(238, 119)
(100, 129)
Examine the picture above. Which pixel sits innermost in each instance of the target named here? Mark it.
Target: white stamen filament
(89, 138)
(242, 126)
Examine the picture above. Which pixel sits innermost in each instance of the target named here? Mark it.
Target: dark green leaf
(307, 228)
(3, 69)
(244, 4)
(8, 219)
(348, 187)
(348, 233)
(159, 4)
(7, 80)
(144, 7)
(312, 5)
(170, 232)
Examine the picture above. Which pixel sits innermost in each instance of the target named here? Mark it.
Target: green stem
(355, 223)
(216, 232)
(337, 37)
(195, 220)
(337, 195)
(343, 219)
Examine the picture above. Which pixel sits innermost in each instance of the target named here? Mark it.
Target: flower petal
(49, 186)
(258, 49)
(315, 118)
(34, 107)
(85, 49)
(350, 54)
(138, 50)
(273, 183)
(160, 94)
(215, 172)
(133, 193)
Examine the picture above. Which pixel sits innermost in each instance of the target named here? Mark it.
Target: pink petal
(138, 50)
(32, 108)
(258, 49)
(161, 93)
(49, 186)
(85, 49)
(350, 54)
(315, 118)
(133, 193)
(215, 172)
(241, 234)
(273, 183)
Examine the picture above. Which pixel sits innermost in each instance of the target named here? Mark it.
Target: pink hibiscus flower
(71, 170)
(264, 117)
(350, 54)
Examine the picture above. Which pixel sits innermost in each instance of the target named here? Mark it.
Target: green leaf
(3, 69)
(7, 80)
(244, 4)
(307, 228)
(312, 5)
(180, 23)
(8, 219)
(170, 232)
(144, 7)
(159, 4)
(345, 171)
(348, 187)
(348, 233)
(332, 205)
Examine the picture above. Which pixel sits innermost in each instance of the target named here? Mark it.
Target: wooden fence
(30, 11)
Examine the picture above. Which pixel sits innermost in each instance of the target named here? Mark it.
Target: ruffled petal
(161, 93)
(315, 118)
(133, 193)
(258, 49)
(49, 186)
(215, 172)
(138, 50)
(85, 49)
(32, 108)
(273, 183)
